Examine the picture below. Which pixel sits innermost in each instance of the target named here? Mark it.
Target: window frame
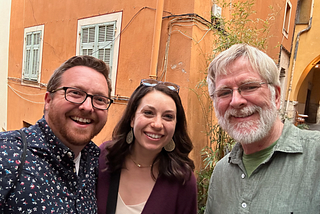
(286, 19)
(28, 31)
(98, 20)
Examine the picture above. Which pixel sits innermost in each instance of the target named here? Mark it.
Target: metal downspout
(156, 40)
(295, 54)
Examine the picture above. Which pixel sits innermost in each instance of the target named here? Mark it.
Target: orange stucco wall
(184, 53)
(274, 10)
(186, 59)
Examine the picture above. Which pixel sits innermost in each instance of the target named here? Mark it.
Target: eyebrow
(241, 83)
(153, 108)
(99, 93)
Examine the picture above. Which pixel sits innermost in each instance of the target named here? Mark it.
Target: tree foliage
(241, 26)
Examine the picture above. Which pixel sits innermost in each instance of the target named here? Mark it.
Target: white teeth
(155, 136)
(81, 120)
(241, 115)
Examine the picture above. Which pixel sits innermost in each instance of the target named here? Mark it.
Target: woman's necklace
(139, 165)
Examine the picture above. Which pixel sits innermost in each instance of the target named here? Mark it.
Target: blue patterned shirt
(48, 183)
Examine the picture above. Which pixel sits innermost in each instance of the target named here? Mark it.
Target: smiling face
(247, 119)
(154, 122)
(76, 124)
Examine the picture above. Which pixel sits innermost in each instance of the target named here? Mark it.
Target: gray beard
(250, 131)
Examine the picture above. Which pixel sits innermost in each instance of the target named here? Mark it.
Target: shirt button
(243, 176)
(70, 154)
(244, 205)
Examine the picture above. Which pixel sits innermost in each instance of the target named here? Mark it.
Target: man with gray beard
(274, 167)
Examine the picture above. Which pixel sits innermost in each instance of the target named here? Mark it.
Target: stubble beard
(72, 137)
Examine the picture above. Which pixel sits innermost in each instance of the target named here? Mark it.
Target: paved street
(314, 126)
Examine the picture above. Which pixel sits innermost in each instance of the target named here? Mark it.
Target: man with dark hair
(274, 167)
(60, 168)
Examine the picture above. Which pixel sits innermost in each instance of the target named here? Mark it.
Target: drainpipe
(156, 40)
(295, 54)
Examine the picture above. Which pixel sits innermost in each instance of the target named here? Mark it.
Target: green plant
(219, 145)
(239, 27)
(303, 126)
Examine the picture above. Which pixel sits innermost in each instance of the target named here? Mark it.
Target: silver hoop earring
(129, 138)
(170, 146)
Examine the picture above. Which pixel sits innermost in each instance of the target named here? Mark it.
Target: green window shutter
(106, 33)
(87, 40)
(97, 40)
(27, 56)
(36, 56)
(32, 55)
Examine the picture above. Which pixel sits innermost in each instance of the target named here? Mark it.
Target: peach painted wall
(186, 60)
(184, 52)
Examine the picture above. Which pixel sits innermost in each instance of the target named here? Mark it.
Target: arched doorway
(308, 94)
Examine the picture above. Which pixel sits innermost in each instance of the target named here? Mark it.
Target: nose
(237, 101)
(157, 123)
(87, 104)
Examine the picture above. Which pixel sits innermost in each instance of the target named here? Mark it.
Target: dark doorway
(306, 109)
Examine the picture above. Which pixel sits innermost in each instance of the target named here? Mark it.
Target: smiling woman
(150, 150)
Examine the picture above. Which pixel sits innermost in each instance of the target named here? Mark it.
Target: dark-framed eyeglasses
(78, 96)
(245, 89)
(153, 82)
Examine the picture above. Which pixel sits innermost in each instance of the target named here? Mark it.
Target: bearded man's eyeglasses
(245, 89)
(78, 96)
(152, 83)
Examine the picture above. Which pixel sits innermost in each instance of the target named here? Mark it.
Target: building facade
(303, 91)
(165, 40)
(142, 39)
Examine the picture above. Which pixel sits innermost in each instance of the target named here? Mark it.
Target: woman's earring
(129, 138)
(170, 146)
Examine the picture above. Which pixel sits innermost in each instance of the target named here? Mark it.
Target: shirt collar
(289, 142)
(47, 141)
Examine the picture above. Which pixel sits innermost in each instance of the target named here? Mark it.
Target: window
(99, 37)
(286, 21)
(32, 53)
(304, 10)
